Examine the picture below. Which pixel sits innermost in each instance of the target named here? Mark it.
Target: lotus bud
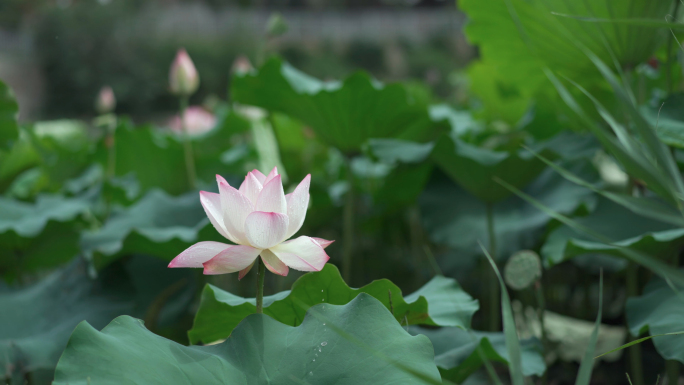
(106, 102)
(183, 76)
(196, 121)
(276, 25)
(241, 65)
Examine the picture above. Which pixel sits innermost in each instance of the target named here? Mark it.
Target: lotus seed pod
(522, 269)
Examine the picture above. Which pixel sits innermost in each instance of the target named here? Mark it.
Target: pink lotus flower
(183, 76)
(258, 218)
(197, 121)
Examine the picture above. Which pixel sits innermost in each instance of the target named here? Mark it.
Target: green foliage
(343, 114)
(518, 38)
(157, 225)
(459, 353)
(377, 144)
(474, 167)
(357, 343)
(441, 302)
(659, 311)
(455, 218)
(668, 120)
(32, 338)
(38, 236)
(622, 226)
(8, 116)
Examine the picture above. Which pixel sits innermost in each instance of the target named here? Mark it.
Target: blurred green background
(57, 54)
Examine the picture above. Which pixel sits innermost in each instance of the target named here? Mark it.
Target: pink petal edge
(274, 264)
(323, 242)
(232, 260)
(199, 253)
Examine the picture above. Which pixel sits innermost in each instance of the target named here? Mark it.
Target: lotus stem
(494, 294)
(348, 227)
(672, 371)
(635, 350)
(187, 145)
(261, 274)
(111, 149)
(541, 309)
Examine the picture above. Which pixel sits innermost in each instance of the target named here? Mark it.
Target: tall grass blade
(633, 161)
(658, 150)
(510, 332)
(646, 207)
(640, 340)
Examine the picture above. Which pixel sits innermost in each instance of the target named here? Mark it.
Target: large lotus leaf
(154, 157)
(455, 218)
(40, 235)
(354, 344)
(343, 114)
(410, 172)
(9, 110)
(623, 227)
(37, 320)
(20, 157)
(511, 68)
(440, 302)
(43, 315)
(158, 224)
(659, 310)
(457, 357)
(474, 168)
(65, 148)
(403, 186)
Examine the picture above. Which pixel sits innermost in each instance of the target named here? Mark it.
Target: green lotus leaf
(354, 344)
(440, 302)
(158, 224)
(156, 156)
(39, 235)
(457, 358)
(659, 310)
(622, 226)
(33, 337)
(474, 168)
(510, 72)
(343, 114)
(457, 219)
(22, 156)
